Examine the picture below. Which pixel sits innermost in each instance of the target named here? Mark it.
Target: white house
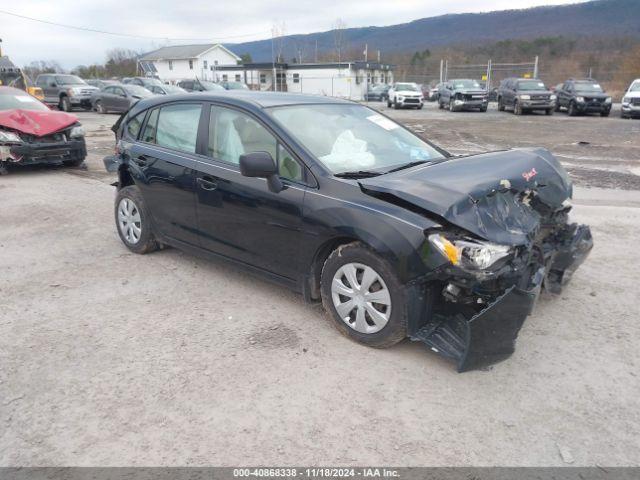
(345, 79)
(178, 62)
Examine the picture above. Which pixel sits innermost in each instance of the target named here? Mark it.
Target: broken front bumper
(43, 153)
(488, 336)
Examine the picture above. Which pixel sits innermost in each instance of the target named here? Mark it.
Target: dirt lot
(108, 358)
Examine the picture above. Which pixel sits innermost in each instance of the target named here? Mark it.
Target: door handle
(141, 160)
(207, 183)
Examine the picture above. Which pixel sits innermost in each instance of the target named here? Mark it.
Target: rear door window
(133, 126)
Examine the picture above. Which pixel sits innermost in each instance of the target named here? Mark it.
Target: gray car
(65, 91)
(165, 89)
(118, 98)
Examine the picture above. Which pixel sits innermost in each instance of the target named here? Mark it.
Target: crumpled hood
(38, 123)
(482, 193)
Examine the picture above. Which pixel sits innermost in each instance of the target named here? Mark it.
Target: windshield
(137, 91)
(237, 86)
(152, 81)
(353, 137)
(588, 87)
(69, 80)
(173, 89)
(531, 85)
(635, 87)
(23, 102)
(409, 87)
(211, 86)
(466, 84)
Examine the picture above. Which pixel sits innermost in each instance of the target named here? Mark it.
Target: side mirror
(261, 165)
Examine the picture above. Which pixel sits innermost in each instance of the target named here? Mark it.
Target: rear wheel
(500, 104)
(364, 296)
(133, 221)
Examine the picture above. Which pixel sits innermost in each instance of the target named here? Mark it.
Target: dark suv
(525, 95)
(583, 96)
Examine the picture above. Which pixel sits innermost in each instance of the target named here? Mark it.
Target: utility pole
(316, 57)
(535, 68)
(366, 51)
(441, 70)
(273, 58)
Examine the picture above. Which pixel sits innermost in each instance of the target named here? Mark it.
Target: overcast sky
(196, 21)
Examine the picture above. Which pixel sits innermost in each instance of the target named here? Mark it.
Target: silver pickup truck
(65, 91)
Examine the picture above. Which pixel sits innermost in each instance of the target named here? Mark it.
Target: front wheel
(364, 296)
(605, 114)
(517, 109)
(396, 106)
(571, 110)
(548, 111)
(500, 105)
(65, 104)
(133, 221)
(452, 108)
(100, 107)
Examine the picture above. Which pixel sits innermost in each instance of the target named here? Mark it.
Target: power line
(130, 35)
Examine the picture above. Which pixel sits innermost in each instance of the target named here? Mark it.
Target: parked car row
(520, 95)
(70, 91)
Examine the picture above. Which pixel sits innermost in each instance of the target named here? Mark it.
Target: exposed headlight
(525, 97)
(626, 100)
(471, 254)
(608, 100)
(9, 137)
(580, 99)
(77, 132)
(553, 97)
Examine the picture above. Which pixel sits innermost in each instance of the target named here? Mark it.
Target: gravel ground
(109, 358)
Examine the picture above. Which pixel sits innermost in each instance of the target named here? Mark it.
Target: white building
(345, 79)
(178, 62)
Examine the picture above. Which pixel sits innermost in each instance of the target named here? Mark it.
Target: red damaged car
(31, 133)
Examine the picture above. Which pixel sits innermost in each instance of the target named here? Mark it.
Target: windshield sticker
(25, 99)
(383, 122)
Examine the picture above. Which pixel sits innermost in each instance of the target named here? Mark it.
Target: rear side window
(174, 126)
(133, 126)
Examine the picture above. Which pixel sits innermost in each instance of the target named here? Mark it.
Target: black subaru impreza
(394, 235)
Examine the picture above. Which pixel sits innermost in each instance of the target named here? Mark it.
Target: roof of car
(259, 99)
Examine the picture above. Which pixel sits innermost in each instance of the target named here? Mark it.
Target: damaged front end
(500, 243)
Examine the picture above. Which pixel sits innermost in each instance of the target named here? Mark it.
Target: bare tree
(278, 31)
(339, 37)
(42, 66)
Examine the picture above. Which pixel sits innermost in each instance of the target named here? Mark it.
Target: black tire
(500, 104)
(100, 108)
(388, 103)
(605, 114)
(483, 109)
(452, 108)
(420, 107)
(147, 242)
(622, 115)
(571, 109)
(396, 106)
(440, 105)
(517, 109)
(76, 162)
(548, 111)
(557, 107)
(65, 104)
(396, 328)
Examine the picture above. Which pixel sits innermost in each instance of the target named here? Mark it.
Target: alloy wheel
(361, 298)
(129, 221)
